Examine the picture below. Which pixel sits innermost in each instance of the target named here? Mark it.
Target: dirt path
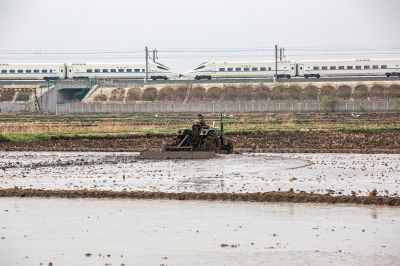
(252, 197)
(377, 141)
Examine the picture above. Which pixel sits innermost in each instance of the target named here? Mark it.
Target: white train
(255, 69)
(288, 69)
(208, 70)
(32, 71)
(85, 70)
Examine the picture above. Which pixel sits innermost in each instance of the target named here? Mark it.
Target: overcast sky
(76, 25)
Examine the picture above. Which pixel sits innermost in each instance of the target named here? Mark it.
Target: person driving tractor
(200, 121)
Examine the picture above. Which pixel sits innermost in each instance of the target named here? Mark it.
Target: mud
(362, 141)
(334, 174)
(37, 231)
(291, 197)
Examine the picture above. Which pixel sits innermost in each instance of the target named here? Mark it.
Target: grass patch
(16, 137)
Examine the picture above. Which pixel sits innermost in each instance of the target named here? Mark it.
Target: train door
(300, 70)
(62, 72)
(293, 70)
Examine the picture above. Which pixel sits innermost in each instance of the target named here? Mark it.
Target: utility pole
(155, 55)
(281, 53)
(147, 65)
(276, 62)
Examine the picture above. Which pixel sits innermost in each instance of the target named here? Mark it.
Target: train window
(238, 69)
(12, 71)
(200, 67)
(20, 71)
(129, 70)
(269, 69)
(89, 70)
(230, 69)
(358, 67)
(316, 67)
(367, 67)
(332, 68)
(28, 71)
(105, 70)
(324, 68)
(44, 71)
(384, 66)
(51, 70)
(221, 69)
(36, 71)
(97, 70)
(254, 68)
(349, 67)
(246, 69)
(375, 67)
(3, 71)
(263, 68)
(137, 70)
(120, 70)
(113, 70)
(341, 67)
(143, 70)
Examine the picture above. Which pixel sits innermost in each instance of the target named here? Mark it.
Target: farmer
(200, 121)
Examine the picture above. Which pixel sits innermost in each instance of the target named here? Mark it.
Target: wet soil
(362, 141)
(289, 196)
(41, 231)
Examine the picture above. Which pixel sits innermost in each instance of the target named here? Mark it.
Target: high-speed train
(85, 70)
(288, 69)
(208, 70)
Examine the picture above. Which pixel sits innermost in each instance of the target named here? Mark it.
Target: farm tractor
(197, 142)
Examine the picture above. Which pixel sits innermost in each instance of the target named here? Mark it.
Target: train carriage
(32, 71)
(248, 69)
(343, 68)
(119, 71)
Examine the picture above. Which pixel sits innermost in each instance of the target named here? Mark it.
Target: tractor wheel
(212, 144)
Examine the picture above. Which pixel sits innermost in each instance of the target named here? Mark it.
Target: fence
(238, 107)
(16, 107)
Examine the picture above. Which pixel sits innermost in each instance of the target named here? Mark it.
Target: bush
(117, 95)
(149, 94)
(180, 93)
(394, 91)
(261, 92)
(310, 93)
(214, 94)
(328, 104)
(166, 94)
(134, 94)
(100, 98)
(328, 90)
(6, 95)
(236, 93)
(360, 92)
(197, 94)
(377, 91)
(278, 93)
(294, 92)
(344, 92)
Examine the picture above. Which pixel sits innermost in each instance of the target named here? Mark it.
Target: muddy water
(138, 232)
(318, 173)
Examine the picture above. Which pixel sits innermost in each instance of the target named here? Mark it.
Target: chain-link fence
(242, 106)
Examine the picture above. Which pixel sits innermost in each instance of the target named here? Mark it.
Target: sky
(187, 33)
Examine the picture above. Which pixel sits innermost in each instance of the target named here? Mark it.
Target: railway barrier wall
(237, 107)
(17, 107)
